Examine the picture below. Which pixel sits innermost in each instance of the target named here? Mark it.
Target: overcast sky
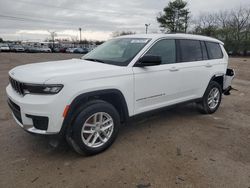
(32, 19)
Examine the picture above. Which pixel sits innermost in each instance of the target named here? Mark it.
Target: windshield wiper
(95, 60)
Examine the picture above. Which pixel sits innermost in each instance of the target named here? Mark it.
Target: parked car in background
(4, 47)
(86, 50)
(11, 46)
(17, 48)
(60, 50)
(38, 49)
(45, 49)
(63, 50)
(70, 50)
(80, 50)
(31, 49)
(57, 50)
(230, 52)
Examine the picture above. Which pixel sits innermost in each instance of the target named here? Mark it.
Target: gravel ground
(174, 148)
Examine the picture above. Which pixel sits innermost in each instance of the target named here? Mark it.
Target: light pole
(80, 30)
(147, 25)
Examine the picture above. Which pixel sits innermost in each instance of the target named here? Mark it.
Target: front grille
(16, 110)
(17, 86)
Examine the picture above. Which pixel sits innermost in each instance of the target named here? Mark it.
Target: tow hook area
(228, 78)
(227, 91)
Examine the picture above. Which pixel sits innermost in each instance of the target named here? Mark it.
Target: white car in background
(70, 50)
(86, 100)
(4, 47)
(44, 49)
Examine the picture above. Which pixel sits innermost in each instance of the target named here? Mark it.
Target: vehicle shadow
(41, 145)
(165, 114)
(136, 124)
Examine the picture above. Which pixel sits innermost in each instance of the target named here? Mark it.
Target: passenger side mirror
(148, 60)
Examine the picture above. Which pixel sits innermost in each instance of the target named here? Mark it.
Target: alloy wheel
(97, 129)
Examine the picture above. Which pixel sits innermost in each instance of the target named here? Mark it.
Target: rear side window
(190, 50)
(214, 50)
(165, 49)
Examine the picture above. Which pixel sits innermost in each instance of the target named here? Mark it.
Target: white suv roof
(174, 36)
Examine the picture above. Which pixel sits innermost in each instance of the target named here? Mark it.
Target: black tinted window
(190, 50)
(165, 49)
(214, 50)
(204, 50)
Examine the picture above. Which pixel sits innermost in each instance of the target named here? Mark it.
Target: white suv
(85, 100)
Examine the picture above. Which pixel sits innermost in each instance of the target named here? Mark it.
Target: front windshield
(118, 51)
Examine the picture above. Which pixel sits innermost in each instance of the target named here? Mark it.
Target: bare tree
(53, 34)
(222, 18)
(240, 21)
(205, 24)
(208, 19)
(232, 27)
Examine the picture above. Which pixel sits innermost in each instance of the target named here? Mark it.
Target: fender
(99, 94)
(219, 77)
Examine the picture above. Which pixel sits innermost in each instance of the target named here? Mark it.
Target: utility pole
(80, 30)
(147, 25)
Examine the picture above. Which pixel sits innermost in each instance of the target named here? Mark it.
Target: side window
(204, 50)
(165, 49)
(214, 50)
(190, 50)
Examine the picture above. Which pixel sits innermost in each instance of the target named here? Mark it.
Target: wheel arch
(219, 78)
(112, 96)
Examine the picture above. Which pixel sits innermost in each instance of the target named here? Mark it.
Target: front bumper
(39, 114)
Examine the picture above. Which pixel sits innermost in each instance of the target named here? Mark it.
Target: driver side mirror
(148, 60)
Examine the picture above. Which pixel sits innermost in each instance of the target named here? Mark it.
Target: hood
(41, 72)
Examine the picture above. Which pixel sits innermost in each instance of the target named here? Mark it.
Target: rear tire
(211, 99)
(95, 127)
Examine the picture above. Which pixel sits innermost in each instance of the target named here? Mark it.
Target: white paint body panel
(144, 89)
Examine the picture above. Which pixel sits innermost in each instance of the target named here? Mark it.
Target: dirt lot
(175, 148)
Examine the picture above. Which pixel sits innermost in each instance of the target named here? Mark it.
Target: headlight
(42, 89)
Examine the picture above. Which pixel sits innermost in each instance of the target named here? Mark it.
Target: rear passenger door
(193, 68)
(216, 64)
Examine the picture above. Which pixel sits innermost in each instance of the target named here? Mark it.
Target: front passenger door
(157, 86)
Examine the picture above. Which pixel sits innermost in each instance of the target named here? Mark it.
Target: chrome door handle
(173, 69)
(208, 65)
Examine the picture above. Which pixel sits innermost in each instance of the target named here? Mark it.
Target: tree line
(230, 26)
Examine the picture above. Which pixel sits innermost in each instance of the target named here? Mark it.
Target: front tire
(95, 127)
(211, 99)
